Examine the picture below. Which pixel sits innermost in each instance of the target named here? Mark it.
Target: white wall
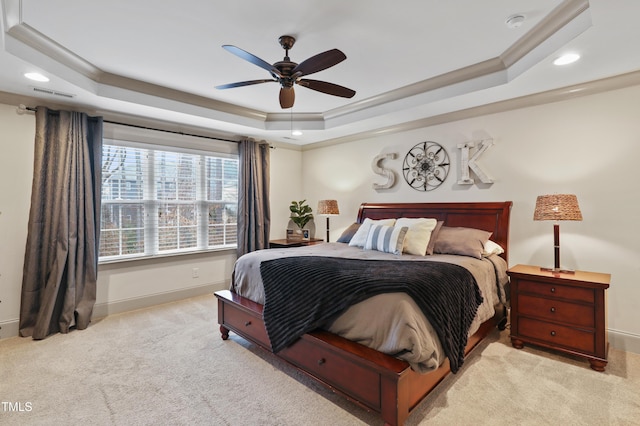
(136, 284)
(286, 186)
(587, 146)
(126, 285)
(16, 172)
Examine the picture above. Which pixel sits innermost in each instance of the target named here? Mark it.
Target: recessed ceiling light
(566, 59)
(514, 21)
(36, 76)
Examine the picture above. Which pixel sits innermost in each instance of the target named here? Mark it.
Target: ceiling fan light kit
(288, 73)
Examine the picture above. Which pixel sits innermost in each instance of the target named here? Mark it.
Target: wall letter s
(379, 170)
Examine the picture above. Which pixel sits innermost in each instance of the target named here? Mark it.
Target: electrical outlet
(195, 272)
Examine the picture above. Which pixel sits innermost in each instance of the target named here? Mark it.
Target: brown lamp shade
(557, 207)
(328, 208)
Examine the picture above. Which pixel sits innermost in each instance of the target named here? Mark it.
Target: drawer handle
(321, 361)
(553, 309)
(553, 289)
(553, 333)
(247, 324)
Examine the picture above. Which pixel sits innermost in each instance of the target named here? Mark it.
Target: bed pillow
(461, 241)
(434, 237)
(348, 233)
(360, 237)
(491, 247)
(388, 239)
(418, 234)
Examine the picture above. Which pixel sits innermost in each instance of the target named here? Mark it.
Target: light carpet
(167, 365)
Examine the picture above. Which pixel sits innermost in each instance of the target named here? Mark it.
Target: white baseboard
(9, 328)
(624, 341)
(100, 310)
(620, 340)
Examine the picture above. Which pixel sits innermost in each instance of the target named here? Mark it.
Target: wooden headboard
(488, 216)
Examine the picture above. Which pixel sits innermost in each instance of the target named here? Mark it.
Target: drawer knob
(553, 333)
(321, 361)
(553, 289)
(247, 324)
(553, 309)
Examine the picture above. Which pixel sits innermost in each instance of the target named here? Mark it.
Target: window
(157, 200)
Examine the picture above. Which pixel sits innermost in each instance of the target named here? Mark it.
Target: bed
(375, 380)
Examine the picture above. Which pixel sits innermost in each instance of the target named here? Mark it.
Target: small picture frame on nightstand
(292, 235)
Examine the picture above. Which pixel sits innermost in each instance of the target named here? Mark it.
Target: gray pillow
(461, 241)
(349, 233)
(434, 237)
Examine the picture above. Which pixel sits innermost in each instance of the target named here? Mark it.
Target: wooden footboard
(371, 379)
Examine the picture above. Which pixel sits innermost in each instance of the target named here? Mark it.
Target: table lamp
(557, 207)
(328, 208)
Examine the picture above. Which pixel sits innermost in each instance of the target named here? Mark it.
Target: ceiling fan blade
(319, 62)
(243, 83)
(328, 88)
(252, 58)
(287, 97)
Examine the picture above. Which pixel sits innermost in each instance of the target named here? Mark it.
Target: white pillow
(388, 239)
(360, 237)
(491, 247)
(418, 235)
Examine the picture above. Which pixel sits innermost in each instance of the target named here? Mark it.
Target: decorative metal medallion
(426, 166)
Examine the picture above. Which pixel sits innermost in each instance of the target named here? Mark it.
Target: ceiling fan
(288, 73)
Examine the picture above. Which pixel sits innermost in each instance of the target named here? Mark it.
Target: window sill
(165, 256)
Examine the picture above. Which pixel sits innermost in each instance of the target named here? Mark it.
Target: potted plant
(301, 214)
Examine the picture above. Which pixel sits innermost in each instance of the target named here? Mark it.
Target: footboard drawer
(335, 370)
(245, 322)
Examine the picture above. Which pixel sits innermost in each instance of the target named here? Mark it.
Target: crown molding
(559, 18)
(564, 23)
(557, 95)
(566, 93)
(21, 36)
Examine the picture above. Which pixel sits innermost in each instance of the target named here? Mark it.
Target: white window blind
(158, 201)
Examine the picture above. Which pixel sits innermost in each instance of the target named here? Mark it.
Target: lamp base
(558, 270)
(327, 228)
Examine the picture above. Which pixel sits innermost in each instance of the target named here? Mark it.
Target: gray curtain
(254, 215)
(61, 258)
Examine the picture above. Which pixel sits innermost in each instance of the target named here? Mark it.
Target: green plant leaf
(301, 213)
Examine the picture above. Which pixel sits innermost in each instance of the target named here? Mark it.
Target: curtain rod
(26, 108)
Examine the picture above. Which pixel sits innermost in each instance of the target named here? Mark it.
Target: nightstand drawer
(557, 335)
(556, 310)
(559, 291)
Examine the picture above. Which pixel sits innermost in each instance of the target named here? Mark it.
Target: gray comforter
(391, 323)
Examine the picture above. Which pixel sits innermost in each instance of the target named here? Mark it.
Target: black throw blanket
(302, 293)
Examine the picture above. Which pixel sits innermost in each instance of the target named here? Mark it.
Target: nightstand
(561, 311)
(294, 243)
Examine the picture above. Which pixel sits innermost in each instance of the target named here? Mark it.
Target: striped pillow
(388, 239)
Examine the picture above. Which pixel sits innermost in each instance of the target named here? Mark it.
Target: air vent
(52, 92)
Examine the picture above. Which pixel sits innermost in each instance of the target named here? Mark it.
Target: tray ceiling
(408, 61)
